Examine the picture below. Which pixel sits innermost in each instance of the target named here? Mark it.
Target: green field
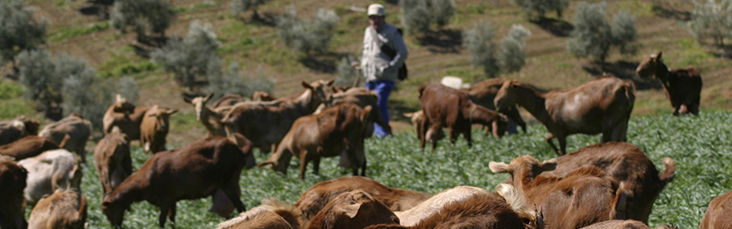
(699, 145)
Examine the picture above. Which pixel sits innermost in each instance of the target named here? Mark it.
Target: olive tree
(66, 84)
(479, 42)
(193, 58)
(593, 36)
(512, 56)
(19, 31)
(144, 16)
(712, 19)
(419, 15)
(304, 36)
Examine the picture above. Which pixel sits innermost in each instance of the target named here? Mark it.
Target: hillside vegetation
(77, 28)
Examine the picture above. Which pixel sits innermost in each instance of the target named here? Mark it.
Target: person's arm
(401, 50)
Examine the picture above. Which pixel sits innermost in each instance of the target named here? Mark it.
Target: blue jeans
(383, 88)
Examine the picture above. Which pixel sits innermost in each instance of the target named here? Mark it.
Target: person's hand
(356, 65)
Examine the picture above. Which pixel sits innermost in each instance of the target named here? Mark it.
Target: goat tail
(668, 174)
(620, 203)
(421, 88)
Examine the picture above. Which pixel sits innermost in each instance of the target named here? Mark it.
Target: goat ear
(306, 85)
(549, 165)
(330, 82)
(366, 112)
(658, 56)
(499, 167)
(170, 112)
(350, 210)
(187, 100)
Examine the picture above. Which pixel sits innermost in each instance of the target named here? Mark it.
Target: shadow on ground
(624, 70)
(442, 41)
(671, 13)
(99, 8)
(556, 27)
(325, 63)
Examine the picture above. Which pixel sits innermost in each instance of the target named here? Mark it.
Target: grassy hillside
(76, 29)
(700, 147)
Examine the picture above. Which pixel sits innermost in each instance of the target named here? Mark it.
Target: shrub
(238, 6)
(67, 84)
(346, 73)
(230, 82)
(624, 32)
(305, 36)
(37, 72)
(260, 82)
(19, 31)
(192, 57)
(479, 42)
(512, 56)
(541, 7)
(144, 15)
(442, 11)
(593, 36)
(711, 19)
(127, 88)
(91, 102)
(419, 15)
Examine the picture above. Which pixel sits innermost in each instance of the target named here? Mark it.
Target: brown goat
(313, 200)
(13, 181)
(266, 123)
(112, 159)
(154, 128)
(61, 210)
(626, 163)
(681, 86)
(451, 108)
(271, 214)
(352, 210)
(336, 129)
(126, 116)
(17, 128)
(29, 146)
(482, 210)
(78, 130)
(581, 198)
(193, 171)
(362, 97)
(263, 96)
(209, 117)
(602, 105)
(718, 214)
(229, 100)
(483, 93)
(618, 224)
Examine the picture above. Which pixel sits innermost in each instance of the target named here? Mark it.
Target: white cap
(376, 9)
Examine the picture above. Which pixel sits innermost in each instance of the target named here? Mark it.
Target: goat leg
(548, 139)
(232, 190)
(171, 215)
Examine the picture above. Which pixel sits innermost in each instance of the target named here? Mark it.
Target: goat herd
(611, 184)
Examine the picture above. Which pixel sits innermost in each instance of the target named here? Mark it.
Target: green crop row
(699, 145)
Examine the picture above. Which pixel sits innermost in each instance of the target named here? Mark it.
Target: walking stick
(358, 77)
